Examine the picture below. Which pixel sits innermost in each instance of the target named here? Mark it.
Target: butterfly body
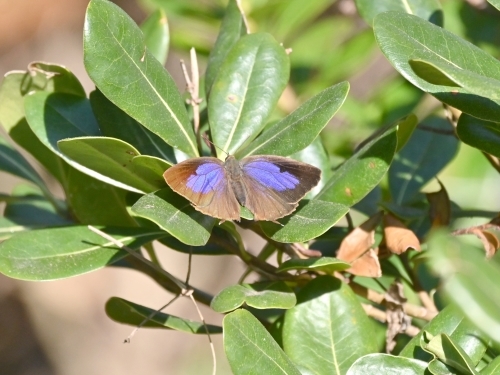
(269, 186)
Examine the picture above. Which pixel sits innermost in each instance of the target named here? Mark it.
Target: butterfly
(269, 186)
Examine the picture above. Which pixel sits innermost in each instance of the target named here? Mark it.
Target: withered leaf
(397, 237)
(356, 248)
(366, 265)
(440, 207)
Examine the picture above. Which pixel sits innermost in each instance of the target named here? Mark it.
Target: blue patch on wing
(207, 176)
(269, 175)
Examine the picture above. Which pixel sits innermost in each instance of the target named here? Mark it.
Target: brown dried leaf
(440, 209)
(367, 265)
(490, 241)
(360, 240)
(397, 320)
(397, 237)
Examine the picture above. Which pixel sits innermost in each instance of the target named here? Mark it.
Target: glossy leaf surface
(241, 100)
(175, 215)
(49, 254)
(126, 72)
(249, 346)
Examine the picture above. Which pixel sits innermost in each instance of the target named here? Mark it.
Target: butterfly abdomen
(235, 174)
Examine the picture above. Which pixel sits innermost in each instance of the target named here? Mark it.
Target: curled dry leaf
(440, 207)
(356, 248)
(490, 241)
(397, 237)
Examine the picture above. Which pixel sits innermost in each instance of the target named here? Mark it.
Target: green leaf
(328, 329)
(469, 281)
(40, 77)
(477, 84)
(324, 264)
(121, 66)
(115, 123)
(315, 154)
(354, 179)
(231, 29)
(483, 135)
(11, 99)
(155, 167)
(112, 158)
(495, 3)
(453, 323)
(448, 352)
(406, 127)
(404, 37)
(9, 228)
(250, 349)
(262, 295)
(54, 78)
(26, 138)
(310, 220)
(175, 214)
(297, 130)
(126, 312)
(29, 208)
(219, 243)
(11, 161)
(427, 152)
(56, 253)
(95, 202)
(387, 364)
(256, 71)
(494, 366)
(429, 10)
(156, 35)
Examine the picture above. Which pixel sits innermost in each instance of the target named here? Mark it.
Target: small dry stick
(115, 242)
(190, 295)
(148, 318)
(381, 316)
(193, 88)
(245, 21)
(184, 288)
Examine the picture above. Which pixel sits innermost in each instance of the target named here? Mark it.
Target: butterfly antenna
(213, 144)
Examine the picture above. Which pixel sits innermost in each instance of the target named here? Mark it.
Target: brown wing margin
(220, 202)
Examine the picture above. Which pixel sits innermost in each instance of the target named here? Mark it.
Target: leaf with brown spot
(440, 210)
(397, 237)
(356, 248)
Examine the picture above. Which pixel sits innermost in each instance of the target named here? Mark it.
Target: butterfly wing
(203, 181)
(274, 185)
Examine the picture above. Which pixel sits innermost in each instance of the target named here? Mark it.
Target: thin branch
(412, 310)
(206, 329)
(133, 253)
(148, 318)
(382, 317)
(243, 16)
(193, 88)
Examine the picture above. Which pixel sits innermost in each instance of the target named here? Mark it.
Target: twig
(193, 88)
(206, 329)
(148, 318)
(382, 317)
(157, 268)
(412, 310)
(480, 227)
(245, 21)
